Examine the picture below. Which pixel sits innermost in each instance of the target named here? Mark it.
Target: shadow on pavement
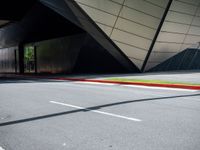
(6, 80)
(94, 76)
(89, 108)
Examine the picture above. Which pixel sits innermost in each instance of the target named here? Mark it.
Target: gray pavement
(170, 119)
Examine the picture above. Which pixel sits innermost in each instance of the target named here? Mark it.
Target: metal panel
(196, 61)
(181, 30)
(58, 55)
(132, 23)
(91, 28)
(8, 60)
(185, 60)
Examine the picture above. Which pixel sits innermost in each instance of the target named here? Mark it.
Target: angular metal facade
(126, 35)
(181, 30)
(82, 20)
(51, 19)
(185, 60)
(132, 25)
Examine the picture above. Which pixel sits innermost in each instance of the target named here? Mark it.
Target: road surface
(60, 115)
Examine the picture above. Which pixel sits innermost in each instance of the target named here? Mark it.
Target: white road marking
(160, 88)
(1, 148)
(138, 86)
(96, 111)
(95, 83)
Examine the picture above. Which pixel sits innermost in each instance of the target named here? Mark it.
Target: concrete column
(21, 58)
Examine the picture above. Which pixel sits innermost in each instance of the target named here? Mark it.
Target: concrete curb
(178, 86)
(181, 86)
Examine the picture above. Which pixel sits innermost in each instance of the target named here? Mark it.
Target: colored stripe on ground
(180, 86)
(134, 83)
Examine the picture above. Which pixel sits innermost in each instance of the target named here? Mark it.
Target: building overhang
(14, 10)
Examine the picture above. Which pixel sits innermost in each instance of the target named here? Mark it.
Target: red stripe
(134, 83)
(184, 86)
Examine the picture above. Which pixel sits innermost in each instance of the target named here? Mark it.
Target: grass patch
(150, 81)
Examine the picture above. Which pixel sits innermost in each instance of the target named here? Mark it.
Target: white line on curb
(96, 111)
(160, 88)
(95, 83)
(137, 86)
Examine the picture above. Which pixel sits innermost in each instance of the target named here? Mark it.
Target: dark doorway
(30, 59)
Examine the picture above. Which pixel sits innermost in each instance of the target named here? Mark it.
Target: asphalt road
(55, 115)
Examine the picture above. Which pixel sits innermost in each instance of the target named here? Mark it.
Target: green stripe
(150, 81)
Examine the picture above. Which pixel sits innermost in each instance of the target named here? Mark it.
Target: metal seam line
(156, 35)
(116, 19)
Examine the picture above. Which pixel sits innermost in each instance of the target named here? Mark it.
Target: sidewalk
(183, 80)
(152, 84)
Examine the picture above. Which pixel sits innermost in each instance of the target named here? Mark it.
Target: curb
(180, 86)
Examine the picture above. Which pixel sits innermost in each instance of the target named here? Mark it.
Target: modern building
(99, 36)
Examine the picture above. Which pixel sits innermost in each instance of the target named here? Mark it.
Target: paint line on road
(95, 83)
(96, 111)
(159, 88)
(137, 86)
(180, 86)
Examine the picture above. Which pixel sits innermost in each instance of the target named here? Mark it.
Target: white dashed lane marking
(96, 111)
